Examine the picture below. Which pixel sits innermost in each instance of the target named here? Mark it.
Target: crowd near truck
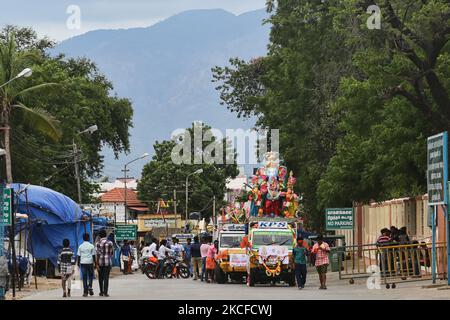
(269, 250)
(232, 259)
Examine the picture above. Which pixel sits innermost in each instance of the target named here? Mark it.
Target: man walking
(299, 254)
(86, 262)
(204, 252)
(322, 249)
(125, 253)
(188, 254)
(66, 264)
(105, 252)
(196, 258)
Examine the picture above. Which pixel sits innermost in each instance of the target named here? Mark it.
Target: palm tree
(13, 94)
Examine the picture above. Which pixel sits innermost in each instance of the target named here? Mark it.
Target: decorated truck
(231, 258)
(269, 250)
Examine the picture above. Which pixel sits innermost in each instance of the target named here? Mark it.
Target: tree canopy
(83, 97)
(161, 176)
(354, 105)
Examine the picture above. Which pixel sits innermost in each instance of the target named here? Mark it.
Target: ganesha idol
(272, 192)
(272, 205)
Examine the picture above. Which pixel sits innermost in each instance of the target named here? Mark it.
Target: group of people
(89, 258)
(320, 251)
(198, 255)
(160, 250)
(400, 254)
(393, 236)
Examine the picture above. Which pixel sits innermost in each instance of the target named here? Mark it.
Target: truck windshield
(276, 238)
(230, 240)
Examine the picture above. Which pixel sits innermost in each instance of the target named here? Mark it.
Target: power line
(38, 145)
(38, 153)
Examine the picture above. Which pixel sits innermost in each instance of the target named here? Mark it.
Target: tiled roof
(118, 195)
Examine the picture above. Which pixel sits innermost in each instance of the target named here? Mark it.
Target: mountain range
(165, 69)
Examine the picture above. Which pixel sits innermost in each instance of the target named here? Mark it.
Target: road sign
(126, 232)
(339, 218)
(437, 169)
(7, 207)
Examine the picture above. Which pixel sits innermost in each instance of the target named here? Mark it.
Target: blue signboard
(437, 169)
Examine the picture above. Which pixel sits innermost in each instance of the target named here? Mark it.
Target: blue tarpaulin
(52, 217)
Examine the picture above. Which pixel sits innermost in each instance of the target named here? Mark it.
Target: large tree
(353, 105)
(83, 97)
(161, 176)
(400, 97)
(292, 89)
(14, 93)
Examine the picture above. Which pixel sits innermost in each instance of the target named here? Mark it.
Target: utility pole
(186, 209)
(125, 170)
(90, 130)
(13, 245)
(187, 197)
(115, 216)
(77, 170)
(214, 211)
(175, 205)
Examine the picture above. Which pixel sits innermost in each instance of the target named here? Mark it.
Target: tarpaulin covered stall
(52, 217)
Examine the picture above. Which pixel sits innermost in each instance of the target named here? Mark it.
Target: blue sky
(49, 17)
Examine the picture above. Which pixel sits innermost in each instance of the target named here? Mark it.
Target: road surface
(137, 286)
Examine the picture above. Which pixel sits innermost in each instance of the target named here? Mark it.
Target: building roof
(118, 183)
(140, 209)
(118, 195)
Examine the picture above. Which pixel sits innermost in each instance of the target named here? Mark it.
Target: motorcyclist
(162, 254)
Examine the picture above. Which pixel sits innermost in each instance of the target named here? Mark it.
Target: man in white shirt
(162, 252)
(153, 248)
(86, 263)
(177, 248)
(149, 250)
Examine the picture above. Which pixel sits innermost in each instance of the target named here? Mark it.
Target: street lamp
(25, 73)
(187, 200)
(125, 170)
(90, 130)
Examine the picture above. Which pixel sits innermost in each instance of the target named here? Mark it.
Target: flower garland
(272, 272)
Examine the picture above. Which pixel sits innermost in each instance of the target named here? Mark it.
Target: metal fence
(394, 263)
(355, 261)
(411, 262)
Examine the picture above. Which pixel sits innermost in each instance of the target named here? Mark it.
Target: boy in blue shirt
(300, 251)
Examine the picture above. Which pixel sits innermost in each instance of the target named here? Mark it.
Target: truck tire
(220, 276)
(251, 279)
(291, 280)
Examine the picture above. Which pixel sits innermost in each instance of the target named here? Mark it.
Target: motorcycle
(149, 267)
(175, 267)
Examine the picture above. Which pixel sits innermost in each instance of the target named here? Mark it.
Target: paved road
(137, 286)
